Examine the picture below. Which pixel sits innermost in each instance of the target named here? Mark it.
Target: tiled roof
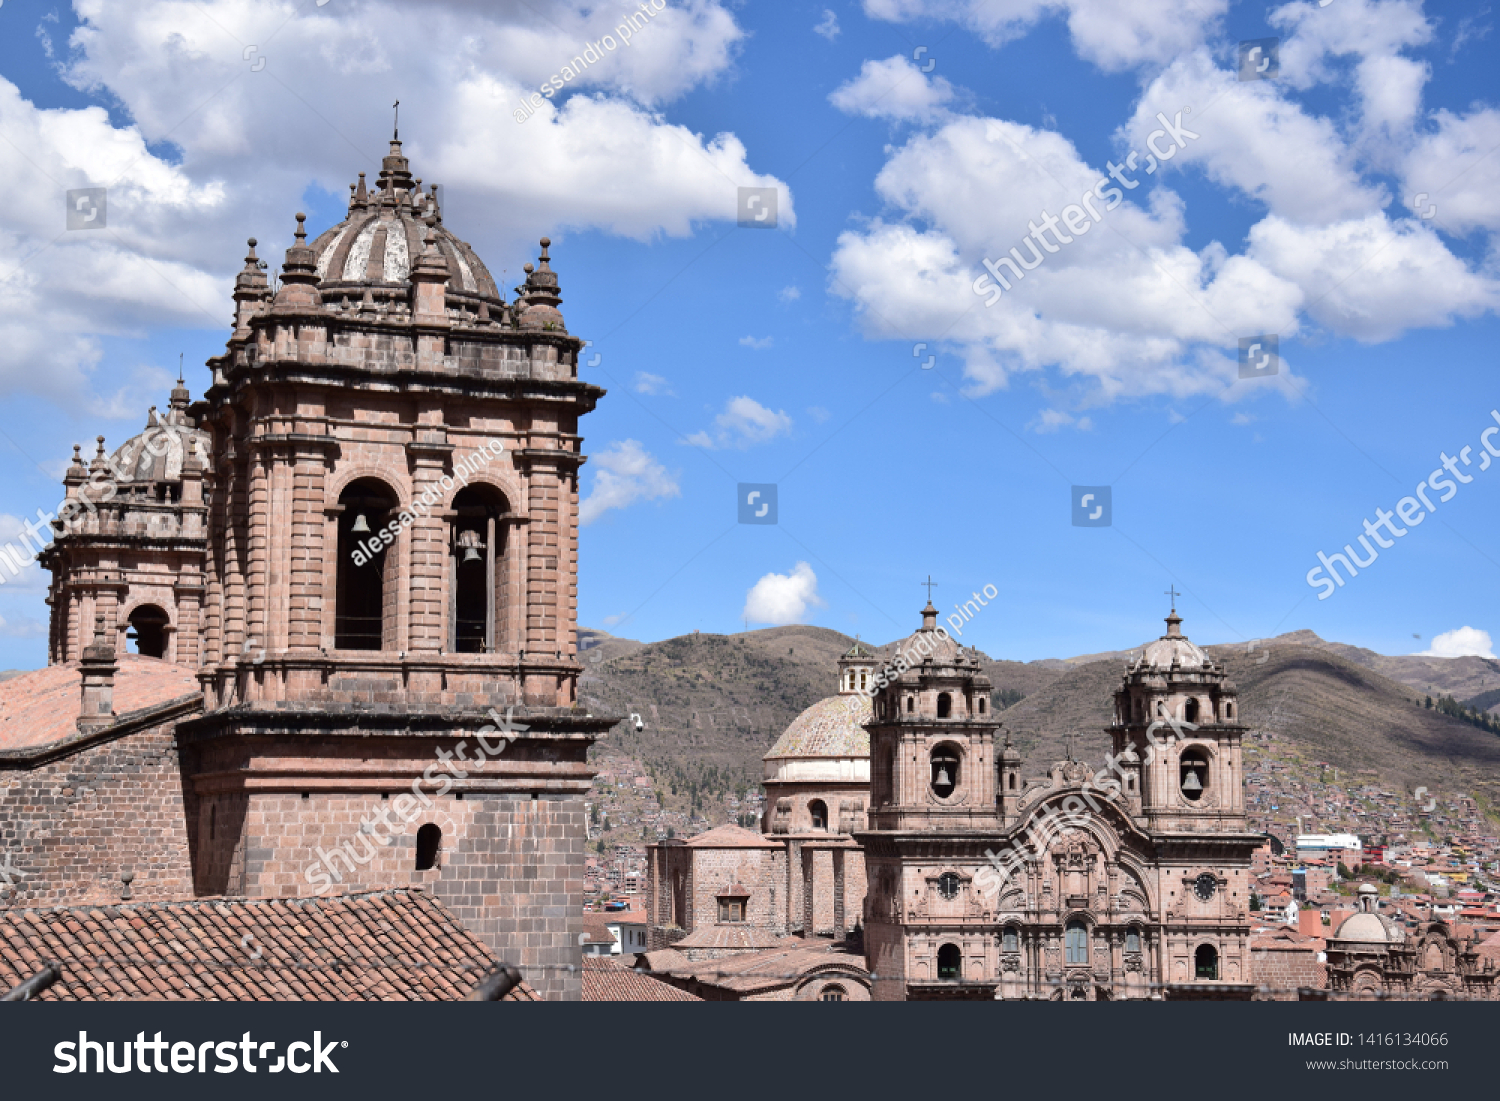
(395, 945)
(596, 929)
(730, 837)
(607, 980)
(829, 728)
(41, 707)
(735, 936)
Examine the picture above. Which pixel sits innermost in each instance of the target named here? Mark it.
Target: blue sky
(785, 356)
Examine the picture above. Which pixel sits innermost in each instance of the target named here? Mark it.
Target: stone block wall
(75, 824)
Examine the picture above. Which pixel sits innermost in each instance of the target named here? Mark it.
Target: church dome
(829, 728)
(385, 231)
(1174, 648)
(934, 644)
(157, 453)
(1370, 929)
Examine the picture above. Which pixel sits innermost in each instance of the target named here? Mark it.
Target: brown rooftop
(606, 980)
(394, 945)
(41, 707)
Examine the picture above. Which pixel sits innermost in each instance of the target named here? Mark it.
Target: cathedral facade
(362, 545)
(1131, 881)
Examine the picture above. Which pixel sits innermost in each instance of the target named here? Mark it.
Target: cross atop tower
(1174, 594)
(396, 130)
(929, 583)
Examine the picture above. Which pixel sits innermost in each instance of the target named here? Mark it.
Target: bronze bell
(942, 776)
(471, 554)
(1191, 781)
(361, 525)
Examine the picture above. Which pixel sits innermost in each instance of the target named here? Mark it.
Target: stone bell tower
(1178, 734)
(393, 562)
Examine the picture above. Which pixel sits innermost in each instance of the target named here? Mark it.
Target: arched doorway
(149, 626)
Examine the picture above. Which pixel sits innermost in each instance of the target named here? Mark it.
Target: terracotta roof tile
(192, 950)
(607, 980)
(41, 707)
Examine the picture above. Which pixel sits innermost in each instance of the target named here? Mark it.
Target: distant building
(1372, 954)
(1141, 894)
(1335, 846)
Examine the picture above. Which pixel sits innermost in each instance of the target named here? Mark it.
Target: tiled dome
(382, 236)
(1175, 647)
(829, 728)
(156, 454)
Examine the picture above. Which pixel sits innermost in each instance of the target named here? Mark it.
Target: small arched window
(1229, 710)
(1010, 940)
(1190, 710)
(1077, 942)
(833, 992)
(949, 962)
(429, 842)
(862, 680)
(911, 704)
(1012, 781)
(982, 702)
(818, 810)
(148, 628)
(1206, 962)
(1132, 940)
(945, 705)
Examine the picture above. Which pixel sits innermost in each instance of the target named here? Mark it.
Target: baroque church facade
(361, 548)
(1130, 881)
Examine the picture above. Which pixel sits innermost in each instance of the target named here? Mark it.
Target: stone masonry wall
(74, 825)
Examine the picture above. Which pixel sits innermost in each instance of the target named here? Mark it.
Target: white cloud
(647, 383)
(818, 413)
(759, 343)
(1241, 418)
(1113, 34)
(1463, 642)
(627, 473)
(247, 145)
(1373, 278)
(22, 627)
(828, 26)
(895, 89)
(780, 599)
(1245, 130)
(789, 293)
(744, 423)
(18, 548)
(1052, 420)
(1124, 309)
(1455, 166)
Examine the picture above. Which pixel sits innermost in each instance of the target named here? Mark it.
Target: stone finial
(126, 879)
